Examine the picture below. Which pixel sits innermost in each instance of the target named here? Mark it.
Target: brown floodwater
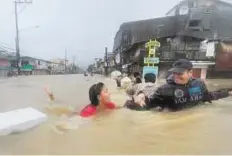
(202, 130)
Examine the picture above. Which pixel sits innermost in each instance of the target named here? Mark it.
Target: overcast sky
(84, 27)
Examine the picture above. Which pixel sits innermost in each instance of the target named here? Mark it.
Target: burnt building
(111, 62)
(198, 30)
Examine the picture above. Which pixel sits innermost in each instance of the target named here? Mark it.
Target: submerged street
(46, 45)
(202, 130)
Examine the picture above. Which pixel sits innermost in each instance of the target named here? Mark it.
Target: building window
(194, 23)
(209, 10)
(193, 5)
(24, 63)
(13, 63)
(184, 9)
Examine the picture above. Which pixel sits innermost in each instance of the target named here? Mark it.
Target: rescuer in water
(182, 90)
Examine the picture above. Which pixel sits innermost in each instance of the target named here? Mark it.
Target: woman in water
(99, 97)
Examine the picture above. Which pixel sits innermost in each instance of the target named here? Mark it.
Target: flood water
(203, 130)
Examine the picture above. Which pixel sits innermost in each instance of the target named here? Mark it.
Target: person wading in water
(182, 90)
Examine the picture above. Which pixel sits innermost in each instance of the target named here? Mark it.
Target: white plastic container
(20, 120)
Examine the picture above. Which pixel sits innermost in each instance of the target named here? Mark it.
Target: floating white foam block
(20, 120)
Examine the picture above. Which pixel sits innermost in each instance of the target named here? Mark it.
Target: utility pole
(106, 61)
(121, 59)
(65, 58)
(73, 64)
(17, 39)
(17, 30)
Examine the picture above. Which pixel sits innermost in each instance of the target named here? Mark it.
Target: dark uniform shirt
(176, 97)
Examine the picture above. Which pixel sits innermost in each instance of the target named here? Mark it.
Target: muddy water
(203, 130)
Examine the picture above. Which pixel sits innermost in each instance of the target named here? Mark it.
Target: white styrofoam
(20, 120)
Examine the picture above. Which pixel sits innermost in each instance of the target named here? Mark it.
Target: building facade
(28, 65)
(4, 66)
(193, 29)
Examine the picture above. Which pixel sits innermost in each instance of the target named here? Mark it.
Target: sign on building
(151, 60)
(151, 69)
(151, 46)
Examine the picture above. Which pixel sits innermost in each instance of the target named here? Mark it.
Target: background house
(4, 65)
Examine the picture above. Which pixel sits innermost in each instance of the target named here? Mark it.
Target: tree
(90, 68)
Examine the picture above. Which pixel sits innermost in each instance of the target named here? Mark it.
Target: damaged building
(198, 30)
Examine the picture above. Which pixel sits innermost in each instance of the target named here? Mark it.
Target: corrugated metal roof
(219, 21)
(139, 31)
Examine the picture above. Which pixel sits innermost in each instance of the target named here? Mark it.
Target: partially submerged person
(99, 97)
(147, 88)
(125, 82)
(182, 90)
(142, 92)
(137, 78)
(118, 80)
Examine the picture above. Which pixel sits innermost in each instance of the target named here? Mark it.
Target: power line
(19, 12)
(22, 9)
(7, 48)
(3, 43)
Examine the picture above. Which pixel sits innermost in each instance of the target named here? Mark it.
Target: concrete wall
(212, 73)
(4, 63)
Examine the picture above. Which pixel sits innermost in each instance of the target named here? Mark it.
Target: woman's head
(98, 93)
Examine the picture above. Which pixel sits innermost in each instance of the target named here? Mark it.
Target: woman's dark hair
(150, 77)
(138, 80)
(94, 91)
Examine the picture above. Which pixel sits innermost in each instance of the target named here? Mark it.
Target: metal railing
(191, 53)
